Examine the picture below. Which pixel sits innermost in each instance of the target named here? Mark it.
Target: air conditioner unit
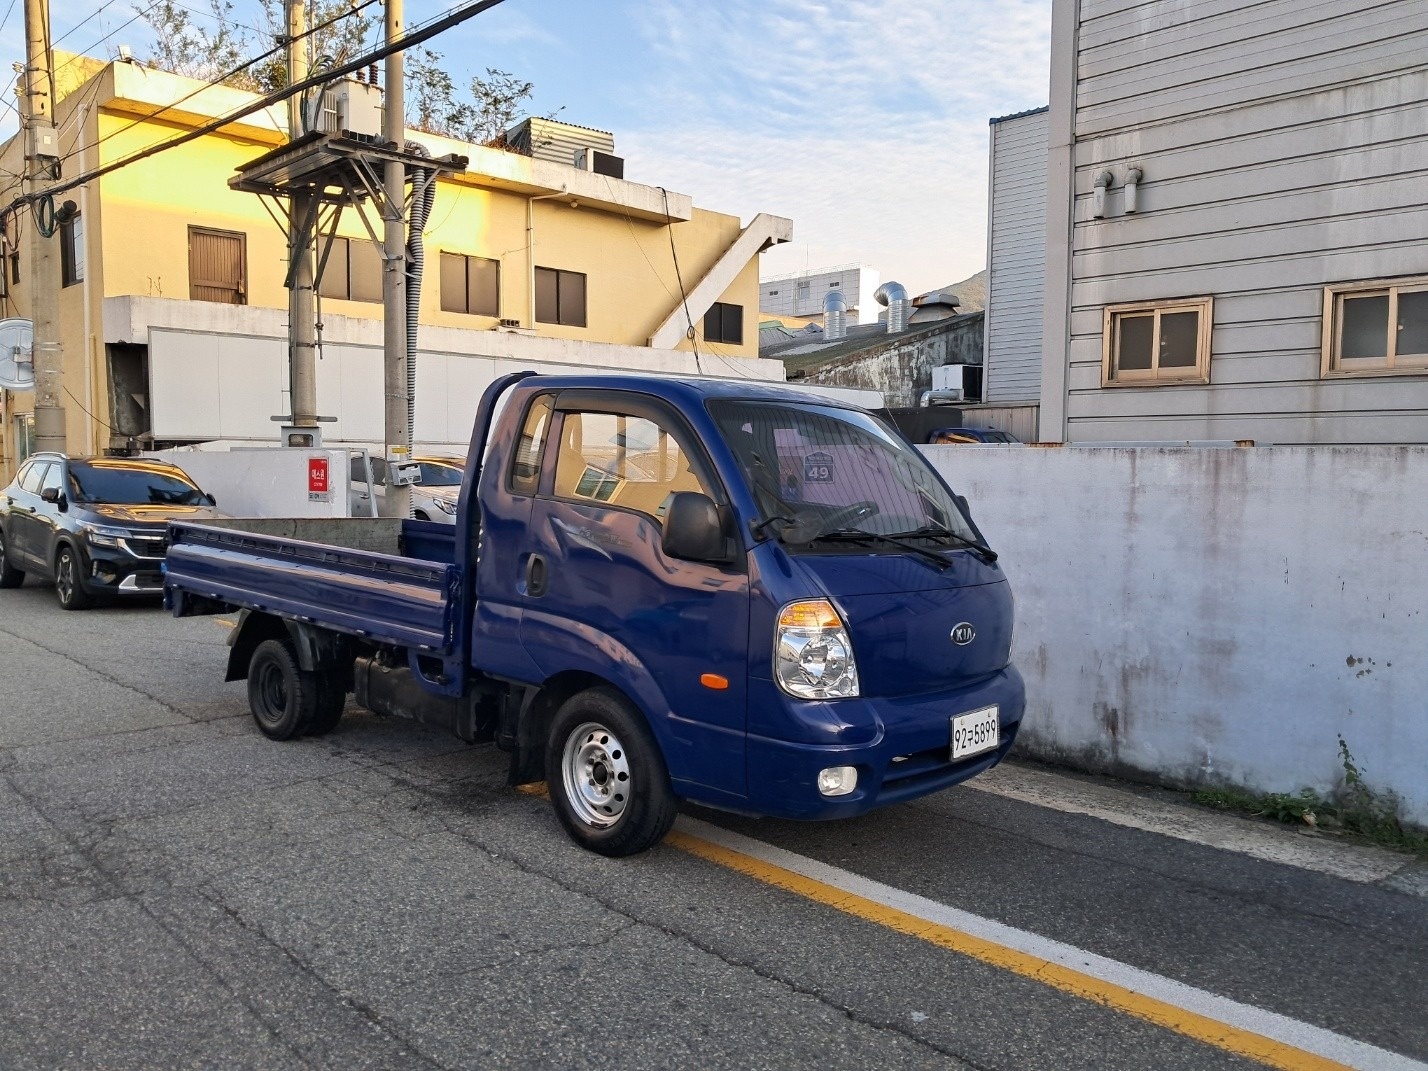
(601, 163)
(353, 108)
(960, 382)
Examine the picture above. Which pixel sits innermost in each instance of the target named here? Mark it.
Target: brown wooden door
(217, 269)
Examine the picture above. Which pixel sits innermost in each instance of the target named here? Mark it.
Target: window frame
(722, 310)
(1198, 373)
(72, 251)
(345, 262)
(466, 259)
(1331, 339)
(560, 316)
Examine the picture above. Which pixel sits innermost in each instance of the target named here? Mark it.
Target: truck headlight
(813, 657)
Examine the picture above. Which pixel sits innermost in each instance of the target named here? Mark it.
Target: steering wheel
(845, 516)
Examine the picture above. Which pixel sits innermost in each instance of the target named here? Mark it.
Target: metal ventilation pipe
(894, 296)
(835, 315)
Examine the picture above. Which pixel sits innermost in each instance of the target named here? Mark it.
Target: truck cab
(738, 595)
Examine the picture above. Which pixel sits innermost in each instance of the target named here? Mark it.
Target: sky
(864, 121)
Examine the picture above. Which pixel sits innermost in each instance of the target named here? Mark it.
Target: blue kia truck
(739, 595)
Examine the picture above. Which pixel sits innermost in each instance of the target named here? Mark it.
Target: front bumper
(908, 758)
(119, 571)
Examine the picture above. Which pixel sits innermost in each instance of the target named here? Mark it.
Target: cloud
(864, 120)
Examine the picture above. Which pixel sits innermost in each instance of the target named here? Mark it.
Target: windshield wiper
(859, 535)
(937, 531)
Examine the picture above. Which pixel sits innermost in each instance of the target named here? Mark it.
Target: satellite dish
(17, 362)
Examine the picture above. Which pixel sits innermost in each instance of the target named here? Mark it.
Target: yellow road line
(1201, 1028)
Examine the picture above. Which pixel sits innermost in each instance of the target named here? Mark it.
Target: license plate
(975, 732)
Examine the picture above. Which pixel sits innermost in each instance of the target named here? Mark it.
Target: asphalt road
(178, 891)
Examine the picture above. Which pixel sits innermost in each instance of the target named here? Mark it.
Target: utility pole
(302, 310)
(398, 431)
(41, 166)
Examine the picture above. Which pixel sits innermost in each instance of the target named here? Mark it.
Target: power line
(93, 45)
(408, 40)
(219, 80)
(97, 11)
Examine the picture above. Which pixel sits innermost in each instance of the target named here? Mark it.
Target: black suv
(93, 525)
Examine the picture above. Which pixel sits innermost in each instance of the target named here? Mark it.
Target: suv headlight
(813, 657)
(446, 506)
(102, 536)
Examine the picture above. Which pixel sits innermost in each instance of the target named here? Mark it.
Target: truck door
(602, 596)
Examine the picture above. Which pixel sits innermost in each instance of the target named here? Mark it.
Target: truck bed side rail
(406, 602)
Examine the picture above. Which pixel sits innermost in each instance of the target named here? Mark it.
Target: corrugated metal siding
(550, 139)
(1016, 259)
(1284, 145)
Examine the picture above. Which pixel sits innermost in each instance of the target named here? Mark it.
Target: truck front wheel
(284, 700)
(607, 778)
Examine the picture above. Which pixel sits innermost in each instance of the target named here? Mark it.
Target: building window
(560, 297)
(470, 284)
(1156, 342)
(353, 271)
(1376, 328)
(773, 293)
(72, 251)
(217, 266)
(724, 323)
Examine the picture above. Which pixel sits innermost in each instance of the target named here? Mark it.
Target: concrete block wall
(1208, 617)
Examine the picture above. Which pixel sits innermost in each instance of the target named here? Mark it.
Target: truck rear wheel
(284, 700)
(331, 701)
(607, 778)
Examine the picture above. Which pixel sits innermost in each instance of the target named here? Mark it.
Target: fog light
(837, 780)
(105, 573)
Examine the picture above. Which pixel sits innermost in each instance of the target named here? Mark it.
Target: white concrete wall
(1212, 616)
(266, 483)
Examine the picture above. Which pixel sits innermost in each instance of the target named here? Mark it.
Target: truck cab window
(525, 464)
(622, 460)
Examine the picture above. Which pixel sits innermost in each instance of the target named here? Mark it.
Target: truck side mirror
(692, 529)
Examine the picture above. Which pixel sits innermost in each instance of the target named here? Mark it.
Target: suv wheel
(69, 586)
(10, 577)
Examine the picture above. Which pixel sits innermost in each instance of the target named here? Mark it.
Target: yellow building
(174, 313)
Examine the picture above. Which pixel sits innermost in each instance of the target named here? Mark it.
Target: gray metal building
(1237, 226)
(802, 293)
(1016, 258)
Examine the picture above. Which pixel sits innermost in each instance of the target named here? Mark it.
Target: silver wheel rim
(595, 769)
(64, 579)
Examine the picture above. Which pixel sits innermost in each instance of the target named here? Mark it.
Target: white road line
(1311, 1039)
(1353, 862)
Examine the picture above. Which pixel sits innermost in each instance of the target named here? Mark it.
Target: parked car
(972, 435)
(433, 498)
(94, 526)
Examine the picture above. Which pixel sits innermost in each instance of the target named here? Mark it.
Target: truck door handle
(536, 575)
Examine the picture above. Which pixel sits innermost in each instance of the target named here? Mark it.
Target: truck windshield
(818, 469)
(132, 483)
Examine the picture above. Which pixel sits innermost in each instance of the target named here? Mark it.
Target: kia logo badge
(963, 634)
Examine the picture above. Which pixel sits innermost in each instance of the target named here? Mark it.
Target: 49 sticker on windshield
(818, 468)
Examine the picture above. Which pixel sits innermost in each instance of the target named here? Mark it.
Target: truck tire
(283, 699)
(607, 779)
(10, 577)
(331, 701)
(69, 581)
